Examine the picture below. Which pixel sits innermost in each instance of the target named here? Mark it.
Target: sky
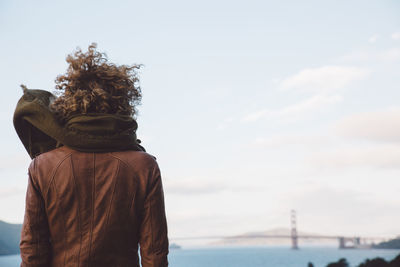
(252, 108)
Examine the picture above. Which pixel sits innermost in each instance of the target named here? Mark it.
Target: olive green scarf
(40, 130)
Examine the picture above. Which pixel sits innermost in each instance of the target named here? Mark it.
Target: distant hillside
(9, 238)
(248, 239)
(391, 244)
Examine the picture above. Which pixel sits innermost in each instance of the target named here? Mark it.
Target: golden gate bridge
(344, 242)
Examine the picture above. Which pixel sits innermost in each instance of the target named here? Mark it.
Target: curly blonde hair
(93, 85)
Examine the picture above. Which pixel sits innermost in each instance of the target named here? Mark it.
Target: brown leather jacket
(93, 209)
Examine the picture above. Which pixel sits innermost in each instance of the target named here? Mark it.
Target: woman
(93, 193)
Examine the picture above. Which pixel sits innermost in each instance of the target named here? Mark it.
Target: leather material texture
(94, 209)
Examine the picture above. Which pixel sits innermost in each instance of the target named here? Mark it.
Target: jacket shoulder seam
(120, 160)
(124, 161)
(53, 173)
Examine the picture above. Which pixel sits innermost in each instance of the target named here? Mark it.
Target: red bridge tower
(294, 236)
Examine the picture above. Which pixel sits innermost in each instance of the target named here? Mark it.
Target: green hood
(41, 131)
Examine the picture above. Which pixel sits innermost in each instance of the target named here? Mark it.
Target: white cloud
(317, 80)
(373, 38)
(396, 36)
(324, 78)
(199, 186)
(15, 161)
(381, 156)
(224, 124)
(391, 54)
(11, 191)
(383, 125)
(313, 103)
(254, 116)
(290, 140)
(310, 104)
(192, 186)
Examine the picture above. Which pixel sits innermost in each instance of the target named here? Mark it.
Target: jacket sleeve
(34, 244)
(153, 231)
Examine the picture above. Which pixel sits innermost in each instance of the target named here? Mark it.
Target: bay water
(257, 257)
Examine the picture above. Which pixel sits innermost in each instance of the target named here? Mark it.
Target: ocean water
(256, 257)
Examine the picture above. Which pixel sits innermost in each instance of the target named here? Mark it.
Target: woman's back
(93, 209)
